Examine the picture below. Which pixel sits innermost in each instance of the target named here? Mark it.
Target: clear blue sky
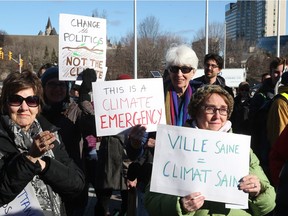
(180, 17)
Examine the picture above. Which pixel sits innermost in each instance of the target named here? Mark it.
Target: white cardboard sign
(190, 160)
(82, 44)
(121, 104)
(26, 203)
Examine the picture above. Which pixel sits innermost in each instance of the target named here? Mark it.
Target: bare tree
(149, 28)
(235, 52)
(215, 40)
(152, 46)
(257, 64)
(2, 32)
(103, 14)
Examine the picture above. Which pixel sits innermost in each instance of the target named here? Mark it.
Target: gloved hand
(88, 76)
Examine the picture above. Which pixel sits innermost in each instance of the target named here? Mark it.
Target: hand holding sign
(250, 184)
(138, 136)
(192, 202)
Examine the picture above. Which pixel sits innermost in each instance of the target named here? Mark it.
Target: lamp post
(206, 29)
(135, 39)
(278, 30)
(224, 51)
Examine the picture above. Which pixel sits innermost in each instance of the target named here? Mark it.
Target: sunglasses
(17, 100)
(184, 69)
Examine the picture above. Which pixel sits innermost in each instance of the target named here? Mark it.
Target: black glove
(88, 76)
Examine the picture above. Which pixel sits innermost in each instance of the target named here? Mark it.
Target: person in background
(278, 156)
(267, 89)
(112, 169)
(260, 105)
(255, 88)
(278, 167)
(239, 117)
(74, 92)
(210, 108)
(58, 111)
(43, 68)
(265, 76)
(88, 128)
(32, 153)
(213, 64)
(181, 65)
(278, 113)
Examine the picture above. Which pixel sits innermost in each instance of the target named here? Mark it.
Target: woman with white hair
(181, 65)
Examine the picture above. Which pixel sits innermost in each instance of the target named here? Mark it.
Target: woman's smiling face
(212, 121)
(23, 115)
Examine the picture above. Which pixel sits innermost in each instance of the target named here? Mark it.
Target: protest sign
(82, 44)
(188, 160)
(26, 203)
(121, 104)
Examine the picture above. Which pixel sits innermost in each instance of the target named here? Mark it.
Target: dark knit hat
(50, 73)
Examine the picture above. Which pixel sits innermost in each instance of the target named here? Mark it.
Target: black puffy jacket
(16, 171)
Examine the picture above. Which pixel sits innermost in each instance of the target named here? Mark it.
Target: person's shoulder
(195, 84)
(45, 124)
(200, 79)
(282, 93)
(267, 86)
(280, 99)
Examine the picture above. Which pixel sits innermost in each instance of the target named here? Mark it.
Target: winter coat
(278, 156)
(161, 204)
(278, 167)
(239, 117)
(60, 173)
(113, 163)
(219, 81)
(278, 115)
(58, 115)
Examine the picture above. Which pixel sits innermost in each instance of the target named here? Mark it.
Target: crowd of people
(49, 145)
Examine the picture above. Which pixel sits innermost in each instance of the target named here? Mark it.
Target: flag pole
(135, 39)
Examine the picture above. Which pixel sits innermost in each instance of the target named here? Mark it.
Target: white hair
(181, 55)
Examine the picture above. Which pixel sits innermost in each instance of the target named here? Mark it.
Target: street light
(278, 30)
(206, 27)
(224, 51)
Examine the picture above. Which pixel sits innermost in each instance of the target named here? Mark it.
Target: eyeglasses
(212, 110)
(211, 65)
(17, 100)
(56, 84)
(184, 69)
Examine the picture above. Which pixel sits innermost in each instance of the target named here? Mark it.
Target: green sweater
(167, 205)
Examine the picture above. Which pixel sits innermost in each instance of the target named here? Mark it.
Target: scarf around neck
(48, 200)
(225, 128)
(177, 114)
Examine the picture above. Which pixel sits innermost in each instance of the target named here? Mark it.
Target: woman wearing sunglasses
(181, 65)
(33, 159)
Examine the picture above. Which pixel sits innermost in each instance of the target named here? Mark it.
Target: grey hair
(181, 55)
